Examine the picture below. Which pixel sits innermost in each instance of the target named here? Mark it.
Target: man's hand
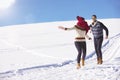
(106, 37)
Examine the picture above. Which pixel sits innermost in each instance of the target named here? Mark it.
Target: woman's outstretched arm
(64, 28)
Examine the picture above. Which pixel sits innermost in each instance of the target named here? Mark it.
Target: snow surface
(43, 52)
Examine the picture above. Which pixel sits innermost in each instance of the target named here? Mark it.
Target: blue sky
(35, 11)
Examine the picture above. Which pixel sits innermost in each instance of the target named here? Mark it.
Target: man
(97, 29)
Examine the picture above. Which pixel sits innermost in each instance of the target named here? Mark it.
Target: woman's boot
(83, 62)
(78, 66)
(98, 62)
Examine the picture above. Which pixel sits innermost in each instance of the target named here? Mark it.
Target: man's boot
(78, 66)
(83, 62)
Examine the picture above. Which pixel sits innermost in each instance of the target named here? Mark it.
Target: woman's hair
(83, 18)
(80, 17)
(94, 16)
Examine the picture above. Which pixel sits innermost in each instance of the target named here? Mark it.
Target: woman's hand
(60, 27)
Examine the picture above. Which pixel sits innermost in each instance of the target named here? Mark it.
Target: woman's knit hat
(82, 23)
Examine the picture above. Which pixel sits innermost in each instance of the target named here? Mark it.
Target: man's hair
(94, 16)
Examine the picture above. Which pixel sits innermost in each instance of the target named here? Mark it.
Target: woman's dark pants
(81, 48)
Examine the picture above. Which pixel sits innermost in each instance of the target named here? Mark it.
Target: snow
(43, 52)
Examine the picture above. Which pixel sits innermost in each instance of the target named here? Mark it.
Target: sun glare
(4, 4)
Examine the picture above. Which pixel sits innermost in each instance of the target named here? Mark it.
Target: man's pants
(98, 45)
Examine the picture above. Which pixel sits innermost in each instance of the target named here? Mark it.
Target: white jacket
(80, 34)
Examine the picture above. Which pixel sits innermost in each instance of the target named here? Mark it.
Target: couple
(82, 29)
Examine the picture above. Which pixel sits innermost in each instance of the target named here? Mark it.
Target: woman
(80, 42)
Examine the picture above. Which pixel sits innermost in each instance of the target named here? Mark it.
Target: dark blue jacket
(97, 29)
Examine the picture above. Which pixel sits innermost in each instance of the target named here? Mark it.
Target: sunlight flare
(4, 4)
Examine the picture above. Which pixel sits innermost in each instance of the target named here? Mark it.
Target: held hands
(89, 38)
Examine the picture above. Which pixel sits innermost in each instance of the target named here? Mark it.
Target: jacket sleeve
(87, 36)
(72, 28)
(105, 28)
(90, 25)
